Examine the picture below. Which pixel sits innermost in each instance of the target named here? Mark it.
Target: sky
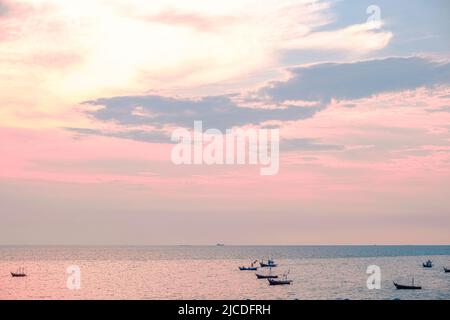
(90, 92)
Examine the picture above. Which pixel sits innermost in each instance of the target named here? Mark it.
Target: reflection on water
(212, 272)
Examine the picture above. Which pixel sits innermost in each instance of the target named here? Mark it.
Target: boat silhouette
(428, 264)
(279, 282)
(270, 264)
(275, 282)
(19, 273)
(248, 268)
(251, 268)
(406, 287)
(263, 276)
(266, 276)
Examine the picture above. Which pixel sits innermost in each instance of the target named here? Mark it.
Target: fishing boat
(405, 287)
(270, 264)
(275, 282)
(428, 264)
(266, 276)
(446, 270)
(279, 282)
(251, 268)
(19, 273)
(248, 268)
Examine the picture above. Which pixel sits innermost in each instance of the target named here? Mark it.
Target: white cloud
(134, 46)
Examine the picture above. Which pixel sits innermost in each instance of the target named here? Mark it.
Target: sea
(212, 273)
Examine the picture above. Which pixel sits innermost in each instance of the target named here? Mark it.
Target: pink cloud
(26, 150)
(200, 22)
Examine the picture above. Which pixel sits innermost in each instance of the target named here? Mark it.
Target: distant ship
(19, 274)
(220, 245)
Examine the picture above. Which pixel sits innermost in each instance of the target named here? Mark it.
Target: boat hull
(265, 265)
(273, 282)
(446, 270)
(248, 268)
(18, 275)
(402, 287)
(263, 276)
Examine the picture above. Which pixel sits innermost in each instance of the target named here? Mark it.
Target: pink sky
(371, 164)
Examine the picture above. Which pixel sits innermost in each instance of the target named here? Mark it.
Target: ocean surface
(211, 272)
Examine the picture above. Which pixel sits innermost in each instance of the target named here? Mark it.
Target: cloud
(300, 144)
(307, 144)
(3, 8)
(197, 21)
(219, 112)
(357, 38)
(440, 109)
(138, 135)
(4, 27)
(199, 43)
(323, 82)
(318, 83)
(308, 91)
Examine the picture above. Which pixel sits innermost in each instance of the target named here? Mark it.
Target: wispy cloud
(312, 86)
(83, 48)
(356, 80)
(215, 111)
(195, 20)
(440, 109)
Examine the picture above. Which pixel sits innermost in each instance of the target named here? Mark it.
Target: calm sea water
(202, 272)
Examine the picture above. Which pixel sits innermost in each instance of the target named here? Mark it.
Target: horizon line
(220, 245)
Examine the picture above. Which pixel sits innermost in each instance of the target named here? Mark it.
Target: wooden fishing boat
(19, 273)
(406, 287)
(251, 268)
(270, 264)
(279, 282)
(248, 268)
(428, 264)
(276, 282)
(266, 276)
